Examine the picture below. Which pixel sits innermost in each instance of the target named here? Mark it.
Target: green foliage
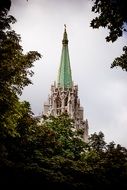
(112, 15)
(121, 61)
(96, 141)
(15, 72)
(67, 140)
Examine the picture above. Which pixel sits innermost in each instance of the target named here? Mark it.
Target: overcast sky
(102, 91)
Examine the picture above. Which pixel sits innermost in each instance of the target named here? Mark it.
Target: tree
(112, 15)
(5, 4)
(67, 141)
(15, 71)
(95, 151)
(121, 61)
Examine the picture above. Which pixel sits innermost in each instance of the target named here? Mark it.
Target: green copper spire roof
(64, 75)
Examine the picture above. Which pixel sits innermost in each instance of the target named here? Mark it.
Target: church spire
(64, 74)
(64, 95)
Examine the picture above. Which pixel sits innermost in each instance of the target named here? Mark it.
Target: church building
(64, 93)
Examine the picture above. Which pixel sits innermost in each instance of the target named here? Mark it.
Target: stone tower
(64, 94)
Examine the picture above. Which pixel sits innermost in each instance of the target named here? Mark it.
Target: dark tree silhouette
(112, 15)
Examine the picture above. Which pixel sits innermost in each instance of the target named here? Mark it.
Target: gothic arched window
(58, 103)
(66, 101)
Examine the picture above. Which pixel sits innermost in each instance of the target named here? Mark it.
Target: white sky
(102, 91)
